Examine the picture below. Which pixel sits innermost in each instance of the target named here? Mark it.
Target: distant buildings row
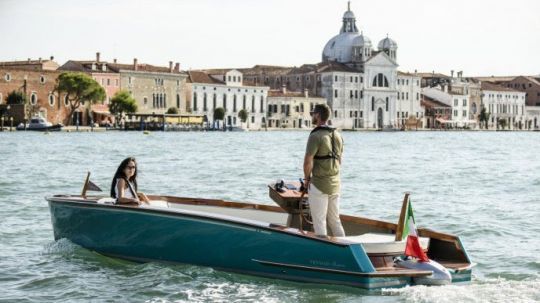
(362, 85)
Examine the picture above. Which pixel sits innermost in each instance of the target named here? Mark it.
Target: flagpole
(85, 187)
(401, 222)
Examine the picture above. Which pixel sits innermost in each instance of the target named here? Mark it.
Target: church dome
(339, 48)
(387, 44)
(348, 15)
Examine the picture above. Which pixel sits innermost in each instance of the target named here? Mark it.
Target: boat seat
(379, 243)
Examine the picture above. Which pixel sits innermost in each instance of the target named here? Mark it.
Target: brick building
(36, 80)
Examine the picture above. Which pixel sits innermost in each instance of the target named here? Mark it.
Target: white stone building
(458, 102)
(376, 105)
(504, 103)
(227, 89)
(409, 98)
(288, 109)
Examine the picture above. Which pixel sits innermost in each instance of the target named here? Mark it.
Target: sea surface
(482, 186)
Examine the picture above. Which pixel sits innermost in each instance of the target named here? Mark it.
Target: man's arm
(308, 167)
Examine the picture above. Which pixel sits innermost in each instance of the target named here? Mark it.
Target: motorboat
(40, 124)
(273, 241)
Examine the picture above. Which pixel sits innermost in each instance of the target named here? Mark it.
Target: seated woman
(124, 184)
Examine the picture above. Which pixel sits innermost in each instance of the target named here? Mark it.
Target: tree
(15, 97)
(172, 110)
(484, 117)
(243, 115)
(219, 114)
(502, 123)
(79, 88)
(122, 102)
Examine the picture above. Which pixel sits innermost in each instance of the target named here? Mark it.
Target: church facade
(359, 82)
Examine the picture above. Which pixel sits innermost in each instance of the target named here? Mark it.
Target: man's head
(320, 114)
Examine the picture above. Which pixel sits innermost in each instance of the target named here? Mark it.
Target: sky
(480, 38)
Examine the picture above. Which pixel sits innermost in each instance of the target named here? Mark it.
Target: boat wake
(486, 290)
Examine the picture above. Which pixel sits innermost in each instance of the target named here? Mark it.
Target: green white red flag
(413, 247)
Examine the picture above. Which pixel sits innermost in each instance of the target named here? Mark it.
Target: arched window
(262, 104)
(194, 101)
(66, 100)
(33, 99)
(214, 101)
(380, 80)
(253, 104)
(178, 101)
(205, 104)
(244, 102)
(234, 103)
(387, 103)
(225, 102)
(164, 100)
(51, 99)
(372, 103)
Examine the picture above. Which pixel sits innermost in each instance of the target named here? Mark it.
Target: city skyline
(478, 38)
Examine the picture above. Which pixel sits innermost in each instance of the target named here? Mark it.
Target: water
(483, 186)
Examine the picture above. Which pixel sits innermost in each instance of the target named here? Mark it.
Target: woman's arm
(121, 186)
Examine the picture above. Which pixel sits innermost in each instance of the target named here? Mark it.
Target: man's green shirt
(325, 173)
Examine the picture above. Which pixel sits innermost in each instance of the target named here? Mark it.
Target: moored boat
(40, 124)
(255, 239)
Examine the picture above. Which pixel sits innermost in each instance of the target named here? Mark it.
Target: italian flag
(413, 247)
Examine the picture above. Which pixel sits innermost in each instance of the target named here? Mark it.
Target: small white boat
(40, 124)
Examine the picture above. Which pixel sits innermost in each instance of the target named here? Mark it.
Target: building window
(262, 104)
(252, 119)
(234, 103)
(66, 100)
(380, 80)
(464, 113)
(335, 79)
(178, 101)
(205, 102)
(194, 101)
(116, 82)
(387, 103)
(335, 93)
(244, 102)
(33, 98)
(464, 102)
(7, 77)
(51, 99)
(225, 102)
(335, 114)
(252, 104)
(214, 101)
(108, 82)
(42, 79)
(145, 100)
(372, 103)
(455, 102)
(455, 113)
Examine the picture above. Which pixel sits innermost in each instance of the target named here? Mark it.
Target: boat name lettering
(326, 263)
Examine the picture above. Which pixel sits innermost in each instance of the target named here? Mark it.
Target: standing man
(321, 173)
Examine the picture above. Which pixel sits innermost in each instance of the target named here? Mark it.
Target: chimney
(452, 73)
(284, 89)
(52, 58)
(135, 65)
(97, 56)
(114, 60)
(170, 67)
(39, 59)
(177, 67)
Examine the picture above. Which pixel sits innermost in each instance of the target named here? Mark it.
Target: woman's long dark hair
(120, 174)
